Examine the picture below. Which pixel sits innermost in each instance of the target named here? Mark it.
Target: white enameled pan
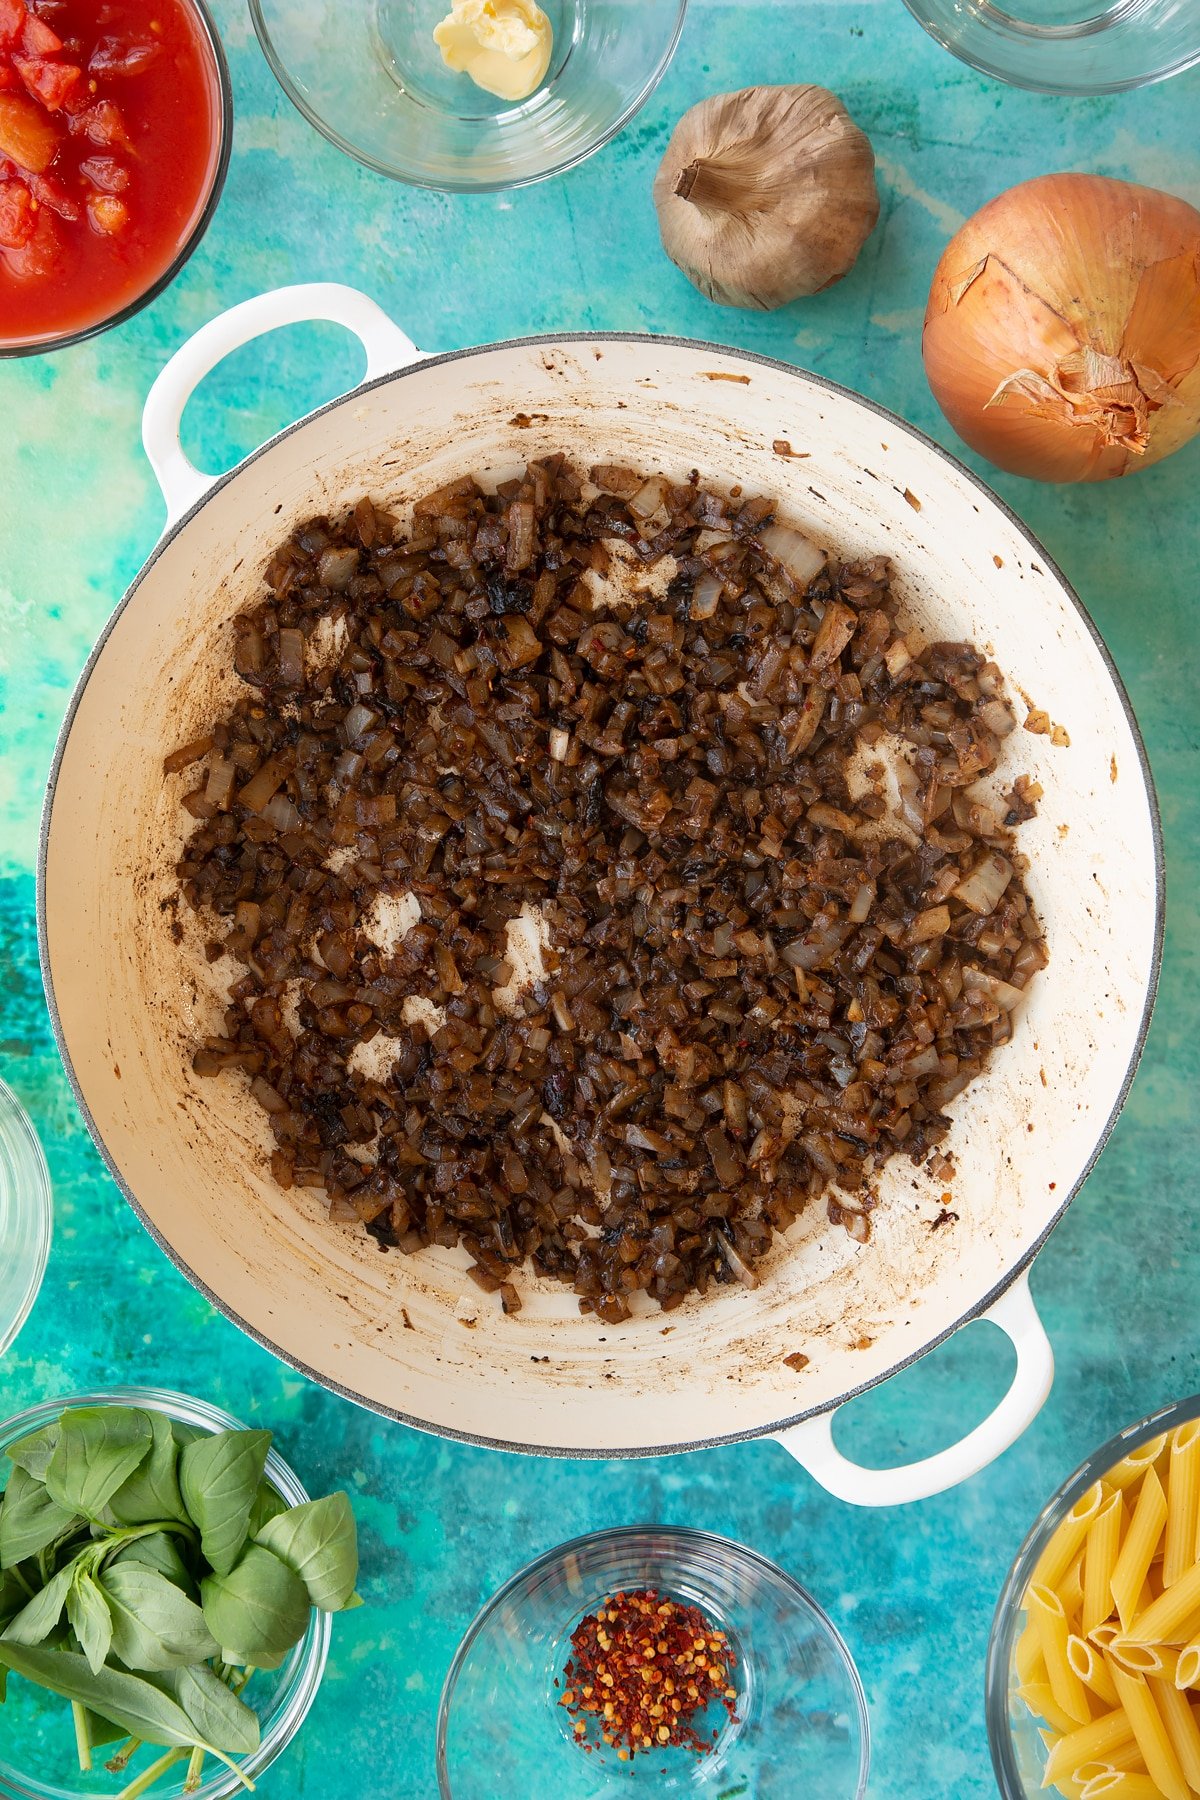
(411, 1337)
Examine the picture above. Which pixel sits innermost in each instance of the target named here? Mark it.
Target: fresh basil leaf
(33, 1453)
(90, 1618)
(259, 1609)
(268, 1504)
(219, 1477)
(158, 1551)
(38, 1617)
(98, 1448)
(29, 1519)
(154, 1626)
(319, 1543)
(138, 1707)
(101, 1730)
(152, 1491)
(13, 1594)
(220, 1718)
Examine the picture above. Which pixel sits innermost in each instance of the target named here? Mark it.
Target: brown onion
(1062, 336)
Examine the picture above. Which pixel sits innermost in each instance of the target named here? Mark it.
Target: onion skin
(1039, 285)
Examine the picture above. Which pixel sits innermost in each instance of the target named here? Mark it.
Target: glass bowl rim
(313, 1648)
(995, 68)
(21, 1145)
(709, 1541)
(449, 184)
(1008, 1606)
(67, 339)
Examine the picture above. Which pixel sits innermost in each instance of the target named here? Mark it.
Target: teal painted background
(442, 1525)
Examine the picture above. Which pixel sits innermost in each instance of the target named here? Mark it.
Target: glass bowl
(370, 77)
(37, 1725)
(1067, 46)
(206, 207)
(1018, 1755)
(26, 1216)
(801, 1717)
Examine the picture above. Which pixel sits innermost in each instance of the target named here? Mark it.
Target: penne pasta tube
(1125, 1756)
(1070, 1589)
(1068, 1540)
(1100, 1559)
(1183, 1502)
(1046, 1609)
(1039, 1698)
(1131, 1468)
(1103, 1635)
(1091, 1742)
(1146, 1723)
(1065, 1785)
(1028, 1660)
(1117, 1784)
(1144, 1659)
(1187, 1668)
(1165, 1618)
(1182, 1728)
(1091, 1669)
(1141, 1540)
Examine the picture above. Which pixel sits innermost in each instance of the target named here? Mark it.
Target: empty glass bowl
(800, 1725)
(370, 77)
(25, 1216)
(1018, 1754)
(37, 1745)
(1067, 46)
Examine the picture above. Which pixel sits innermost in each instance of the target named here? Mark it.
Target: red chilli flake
(644, 1668)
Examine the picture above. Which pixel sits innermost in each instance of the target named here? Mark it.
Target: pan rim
(837, 390)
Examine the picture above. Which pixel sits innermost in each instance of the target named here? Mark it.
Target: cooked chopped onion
(983, 887)
(740, 981)
(983, 981)
(706, 597)
(358, 720)
(649, 497)
(798, 554)
(335, 568)
(743, 1271)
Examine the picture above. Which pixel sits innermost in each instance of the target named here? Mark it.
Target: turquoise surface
(442, 1525)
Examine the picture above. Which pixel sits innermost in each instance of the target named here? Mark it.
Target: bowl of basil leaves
(166, 1587)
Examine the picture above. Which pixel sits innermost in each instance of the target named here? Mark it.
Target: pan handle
(387, 348)
(811, 1442)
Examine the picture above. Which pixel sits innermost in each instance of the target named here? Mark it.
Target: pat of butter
(503, 45)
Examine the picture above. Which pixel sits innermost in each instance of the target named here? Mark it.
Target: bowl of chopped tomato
(115, 127)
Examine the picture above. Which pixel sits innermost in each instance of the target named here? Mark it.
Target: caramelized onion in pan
(607, 877)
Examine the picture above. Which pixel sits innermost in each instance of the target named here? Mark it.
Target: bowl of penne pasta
(1093, 1678)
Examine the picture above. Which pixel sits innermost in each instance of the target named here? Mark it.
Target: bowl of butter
(468, 95)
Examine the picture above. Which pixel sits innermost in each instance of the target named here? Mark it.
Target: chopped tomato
(37, 37)
(12, 18)
(105, 173)
(49, 82)
(113, 56)
(110, 118)
(16, 215)
(101, 124)
(41, 255)
(49, 191)
(107, 213)
(26, 134)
